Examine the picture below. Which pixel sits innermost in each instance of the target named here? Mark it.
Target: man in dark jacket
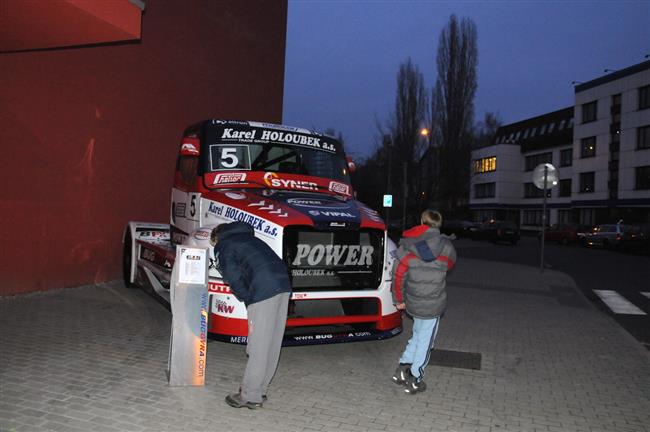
(259, 278)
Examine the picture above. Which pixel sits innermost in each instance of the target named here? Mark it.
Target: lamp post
(388, 142)
(424, 132)
(545, 178)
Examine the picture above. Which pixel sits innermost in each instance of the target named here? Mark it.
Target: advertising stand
(189, 304)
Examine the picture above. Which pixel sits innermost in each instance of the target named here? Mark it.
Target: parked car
(461, 228)
(498, 231)
(608, 236)
(564, 233)
(634, 239)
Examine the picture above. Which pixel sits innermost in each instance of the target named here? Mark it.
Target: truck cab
(293, 187)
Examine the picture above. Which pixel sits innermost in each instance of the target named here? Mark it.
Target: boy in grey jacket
(423, 259)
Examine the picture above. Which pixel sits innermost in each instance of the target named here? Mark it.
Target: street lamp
(423, 132)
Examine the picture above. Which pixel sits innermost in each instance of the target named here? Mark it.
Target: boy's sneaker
(413, 385)
(402, 373)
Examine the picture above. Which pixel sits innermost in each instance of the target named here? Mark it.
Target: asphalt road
(592, 269)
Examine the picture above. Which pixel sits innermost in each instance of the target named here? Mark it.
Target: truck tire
(126, 260)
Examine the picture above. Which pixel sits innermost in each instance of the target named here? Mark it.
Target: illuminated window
(588, 147)
(486, 164)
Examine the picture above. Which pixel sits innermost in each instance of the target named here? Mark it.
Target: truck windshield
(279, 158)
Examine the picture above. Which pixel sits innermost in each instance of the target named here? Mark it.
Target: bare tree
(411, 115)
(452, 110)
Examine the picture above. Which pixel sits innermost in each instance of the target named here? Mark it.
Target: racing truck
(292, 185)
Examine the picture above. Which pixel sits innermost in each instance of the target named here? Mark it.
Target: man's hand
(400, 306)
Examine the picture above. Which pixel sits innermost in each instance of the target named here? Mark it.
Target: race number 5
(229, 157)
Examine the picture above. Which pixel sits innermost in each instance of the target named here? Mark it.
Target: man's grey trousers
(266, 322)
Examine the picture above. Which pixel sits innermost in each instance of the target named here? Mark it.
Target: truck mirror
(352, 167)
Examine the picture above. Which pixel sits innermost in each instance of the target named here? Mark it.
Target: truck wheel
(126, 260)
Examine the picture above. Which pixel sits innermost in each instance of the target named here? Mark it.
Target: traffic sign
(388, 200)
(550, 175)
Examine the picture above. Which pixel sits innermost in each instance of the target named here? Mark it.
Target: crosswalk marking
(647, 294)
(617, 303)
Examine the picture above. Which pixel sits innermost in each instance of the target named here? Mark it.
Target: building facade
(600, 148)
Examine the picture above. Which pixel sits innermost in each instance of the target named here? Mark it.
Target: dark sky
(342, 57)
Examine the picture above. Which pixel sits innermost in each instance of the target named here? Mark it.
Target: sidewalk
(94, 359)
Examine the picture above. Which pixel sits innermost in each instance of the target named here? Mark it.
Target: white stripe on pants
(266, 322)
(418, 348)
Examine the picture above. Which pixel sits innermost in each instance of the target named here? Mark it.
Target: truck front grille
(333, 260)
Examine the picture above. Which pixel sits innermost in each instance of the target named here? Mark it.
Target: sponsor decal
(236, 195)
(203, 335)
(333, 214)
(202, 235)
(312, 272)
(222, 307)
(339, 188)
(316, 203)
(218, 288)
(230, 133)
(299, 296)
(238, 339)
(167, 264)
(337, 214)
(271, 179)
(229, 178)
(154, 234)
(231, 213)
(179, 209)
(333, 255)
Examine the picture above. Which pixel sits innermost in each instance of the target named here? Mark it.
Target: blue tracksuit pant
(418, 348)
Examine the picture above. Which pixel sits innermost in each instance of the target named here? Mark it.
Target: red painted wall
(89, 136)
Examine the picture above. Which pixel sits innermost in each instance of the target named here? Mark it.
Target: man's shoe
(235, 400)
(413, 385)
(402, 373)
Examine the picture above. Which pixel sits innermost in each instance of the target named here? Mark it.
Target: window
(534, 160)
(517, 136)
(484, 190)
(587, 216)
(589, 112)
(644, 97)
(551, 127)
(486, 164)
(532, 191)
(569, 123)
(643, 177)
(526, 133)
(534, 217)
(643, 137)
(566, 157)
(565, 188)
(561, 126)
(588, 147)
(533, 131)
(542, 130)
(587, 182)
(564, 216)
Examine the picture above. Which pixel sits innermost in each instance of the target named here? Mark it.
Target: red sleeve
(450, 263)
(400, 274)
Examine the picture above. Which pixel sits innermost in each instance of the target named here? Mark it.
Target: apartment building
(600, 147)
